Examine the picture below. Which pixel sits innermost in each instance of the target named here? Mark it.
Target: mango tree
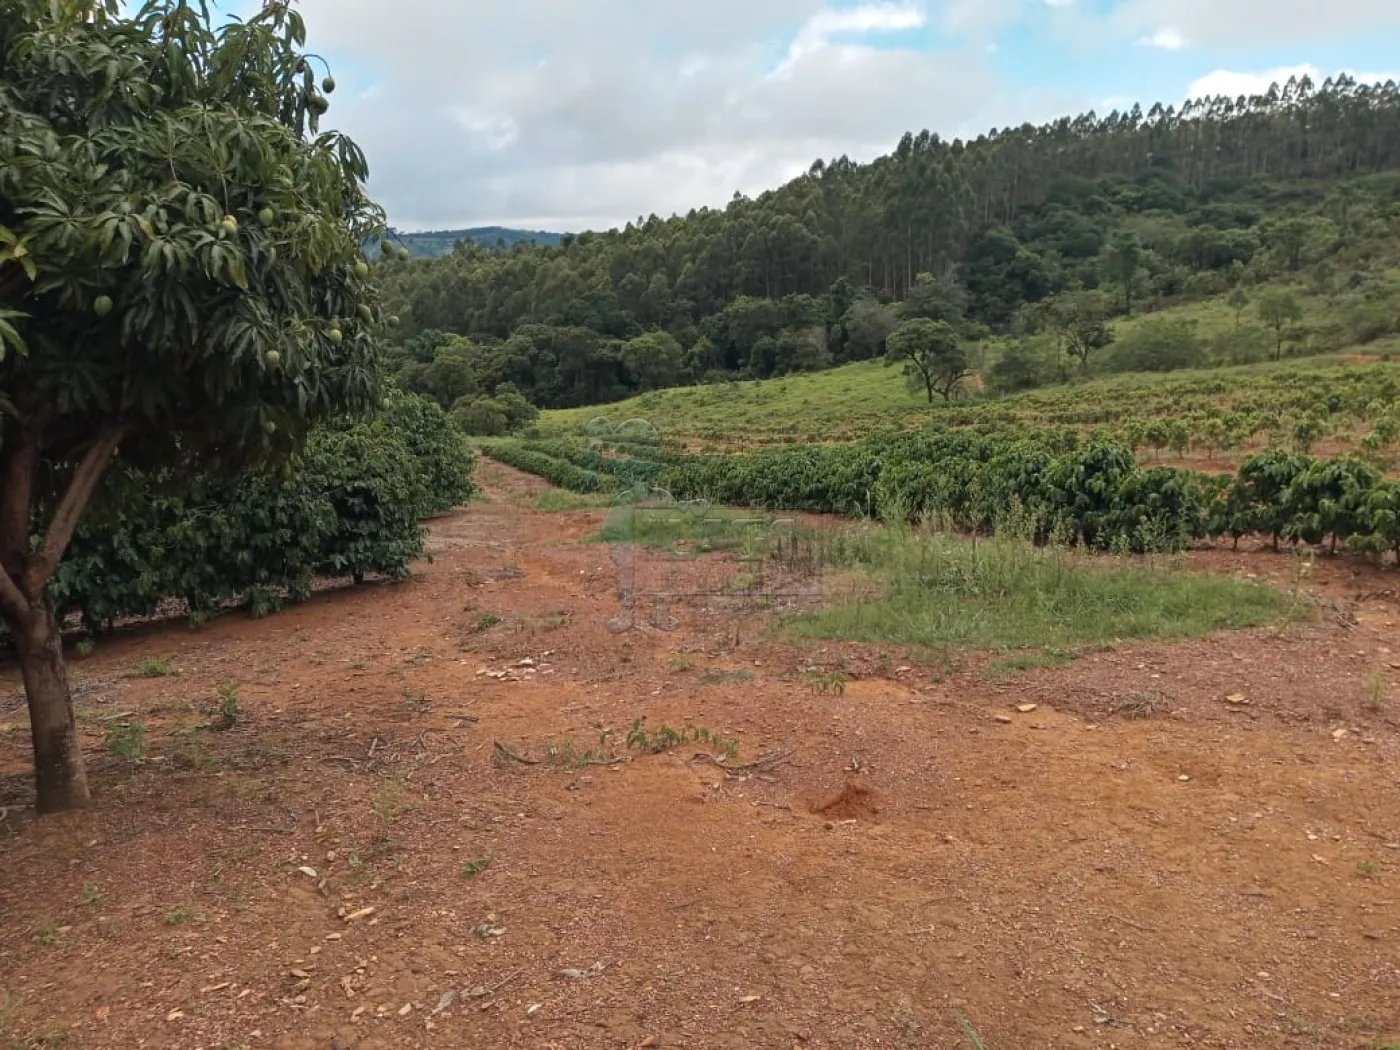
(181, 281)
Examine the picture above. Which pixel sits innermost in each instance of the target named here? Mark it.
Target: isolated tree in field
(1080, 320)
(1278, 310)
(1124, 258)
(934, 356)
(180, 276)
(1238, 301)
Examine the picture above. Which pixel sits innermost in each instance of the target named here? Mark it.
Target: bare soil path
(352, 865)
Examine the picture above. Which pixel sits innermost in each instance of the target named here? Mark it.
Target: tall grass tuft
(1003, 592)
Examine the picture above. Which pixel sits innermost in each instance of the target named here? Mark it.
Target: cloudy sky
(583, 114)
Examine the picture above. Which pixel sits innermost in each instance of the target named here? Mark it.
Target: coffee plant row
(983, 480)
(350, 506)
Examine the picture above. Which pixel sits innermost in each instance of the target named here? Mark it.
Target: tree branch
(44, 561)
(12, 599)
(18, 462)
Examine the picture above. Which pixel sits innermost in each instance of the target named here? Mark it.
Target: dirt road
(353, 864)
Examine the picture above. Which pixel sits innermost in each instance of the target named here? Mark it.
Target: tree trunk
(60, 777)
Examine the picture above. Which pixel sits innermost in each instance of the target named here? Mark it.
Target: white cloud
(980, 18)
(1253, 23)
(1233, 84)
(1166, 39)
(1374, 78)
(817, 31)
(556, 114)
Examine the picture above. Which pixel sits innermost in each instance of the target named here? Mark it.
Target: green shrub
(1157, 345)
(373, 483)
(445, 460)
(556, 471)
(348, 506)
(1036, 484)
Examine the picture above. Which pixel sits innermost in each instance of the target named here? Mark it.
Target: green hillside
(1281, 212)
(431, 244)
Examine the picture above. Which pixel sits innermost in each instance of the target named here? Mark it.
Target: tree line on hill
(1032, 230)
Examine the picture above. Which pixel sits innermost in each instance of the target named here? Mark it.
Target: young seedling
(1375, 691)
(126, 739)
(819, 681)
(228, 707)
(154, 667)
(46, 933)
(472, 868)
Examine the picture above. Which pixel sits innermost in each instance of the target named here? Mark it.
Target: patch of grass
(565, 753)
(944, 591)
(554, 620)
(48, 1039)
(717, 677)
(46, 933)
(127, 739)
(552, 501)
(819, 681)
(391, 801)
(178, 915)
(154, 667)
(852, 401)
(970, 1032)
(1000, 670)
(415, 700)
(485, 622)
(1367, 868)
(472, 868)
(1143, 705)
(681, 662)
(664, 738)
(91, 895)
(693, 525)
(1376, 691)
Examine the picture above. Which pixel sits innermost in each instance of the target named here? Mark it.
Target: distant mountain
(433, 243)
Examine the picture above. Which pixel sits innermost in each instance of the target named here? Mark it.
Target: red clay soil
(354, 864)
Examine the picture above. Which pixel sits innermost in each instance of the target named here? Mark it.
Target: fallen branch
(510, 755)
(762, 764)
(1129, 922)
(482, 993)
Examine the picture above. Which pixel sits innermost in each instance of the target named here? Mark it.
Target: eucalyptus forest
(999, 236)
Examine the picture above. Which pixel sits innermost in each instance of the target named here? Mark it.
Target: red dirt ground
(1214, 875)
